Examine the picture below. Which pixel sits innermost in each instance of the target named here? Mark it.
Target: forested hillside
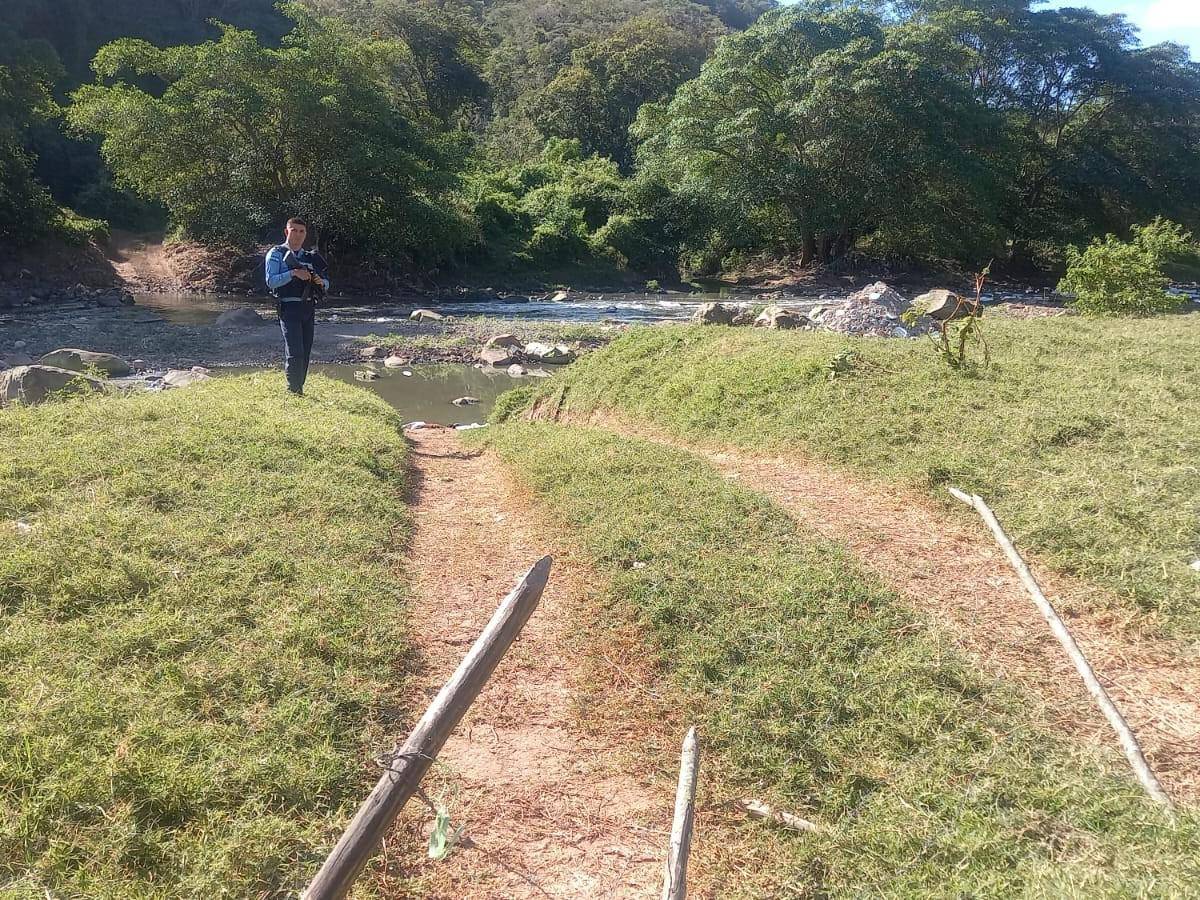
(666, 136)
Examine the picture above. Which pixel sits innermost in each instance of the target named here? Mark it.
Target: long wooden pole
(402, 778)
(675, 877)
(1133, 751)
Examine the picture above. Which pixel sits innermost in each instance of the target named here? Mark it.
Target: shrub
(1113, 277)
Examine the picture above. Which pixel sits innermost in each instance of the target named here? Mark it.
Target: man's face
(296, 235)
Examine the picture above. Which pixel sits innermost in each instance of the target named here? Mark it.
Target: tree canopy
(964, 129)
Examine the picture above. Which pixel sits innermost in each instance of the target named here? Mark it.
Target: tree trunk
(809, 251)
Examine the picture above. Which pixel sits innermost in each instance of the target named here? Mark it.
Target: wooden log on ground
(675, 877)
(1133, 750)
(759, 810)
(403, 776)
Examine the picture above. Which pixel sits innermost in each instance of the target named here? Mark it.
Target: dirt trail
(140, 261)
(953, 571)
(550, 809)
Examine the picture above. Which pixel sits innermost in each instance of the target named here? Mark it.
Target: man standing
(292, 275)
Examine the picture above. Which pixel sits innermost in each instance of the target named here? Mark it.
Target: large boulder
(778, 317)
(425, 315)
(505, 342)
(181, 378)
(555, 355)
(242, 317)
(944, 305)
(87, 361)
(497, 357)
(33, 384)
(714, 314)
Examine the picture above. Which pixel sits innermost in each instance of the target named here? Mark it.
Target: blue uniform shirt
(278, 275)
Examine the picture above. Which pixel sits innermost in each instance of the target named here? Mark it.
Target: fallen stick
(409, 765)
(675, 877)
(1133, 751)
(759, 810)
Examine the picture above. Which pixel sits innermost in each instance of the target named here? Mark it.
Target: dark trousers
(296, 320)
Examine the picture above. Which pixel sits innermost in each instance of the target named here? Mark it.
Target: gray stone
(425, 315)
(366, 375)
(465, 401)
(516, 370)
(714, 314)
(33, 384)
(87, 361)
(504, 341)
(181, 378)
(242, 317)
(395, 362)
(497, 356)
(560, 297)
(373, 353)
(778, 317)
(556, 355)
(743, 317)
(944, 305)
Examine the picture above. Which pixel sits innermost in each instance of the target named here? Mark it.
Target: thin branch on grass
(1133, 751)
(759, 810)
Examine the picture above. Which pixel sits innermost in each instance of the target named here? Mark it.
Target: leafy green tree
(1100, 133)
(549, 210)
(596, 98)
(825, 126)
(27, 73)
(238, 135)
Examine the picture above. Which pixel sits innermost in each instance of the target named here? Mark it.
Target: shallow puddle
(426, 395)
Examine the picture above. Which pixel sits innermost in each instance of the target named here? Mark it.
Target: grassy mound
(816, 689)
(1084, 437)
(198, 638)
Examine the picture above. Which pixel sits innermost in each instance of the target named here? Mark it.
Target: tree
(825, 126)
(27, 73)
(238, 136)
(596, 98)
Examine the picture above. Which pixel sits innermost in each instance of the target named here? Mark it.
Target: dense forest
(666, 136)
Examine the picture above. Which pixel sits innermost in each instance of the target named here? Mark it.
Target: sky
(1159, 20)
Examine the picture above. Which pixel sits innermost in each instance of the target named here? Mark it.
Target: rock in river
(87, 361)
(556, 355)
(778, 317)
(33, 384)
(497, 356)
(504, 341)
(714, 314)
(425, 315)
(465, 401)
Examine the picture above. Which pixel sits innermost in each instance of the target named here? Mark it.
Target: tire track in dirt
(544, 786)
(952, 571)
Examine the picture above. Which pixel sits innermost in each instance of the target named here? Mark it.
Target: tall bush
(1126, 278)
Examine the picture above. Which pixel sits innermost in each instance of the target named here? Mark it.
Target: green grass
(1084, 437)
(201, 638)
(815, 688)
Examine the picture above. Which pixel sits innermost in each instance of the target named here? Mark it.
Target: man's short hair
(294, 221)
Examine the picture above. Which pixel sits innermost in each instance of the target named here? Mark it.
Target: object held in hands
(314, 289)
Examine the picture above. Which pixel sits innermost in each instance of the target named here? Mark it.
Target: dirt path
(140, 261)
(545, 791)
(952, 570)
